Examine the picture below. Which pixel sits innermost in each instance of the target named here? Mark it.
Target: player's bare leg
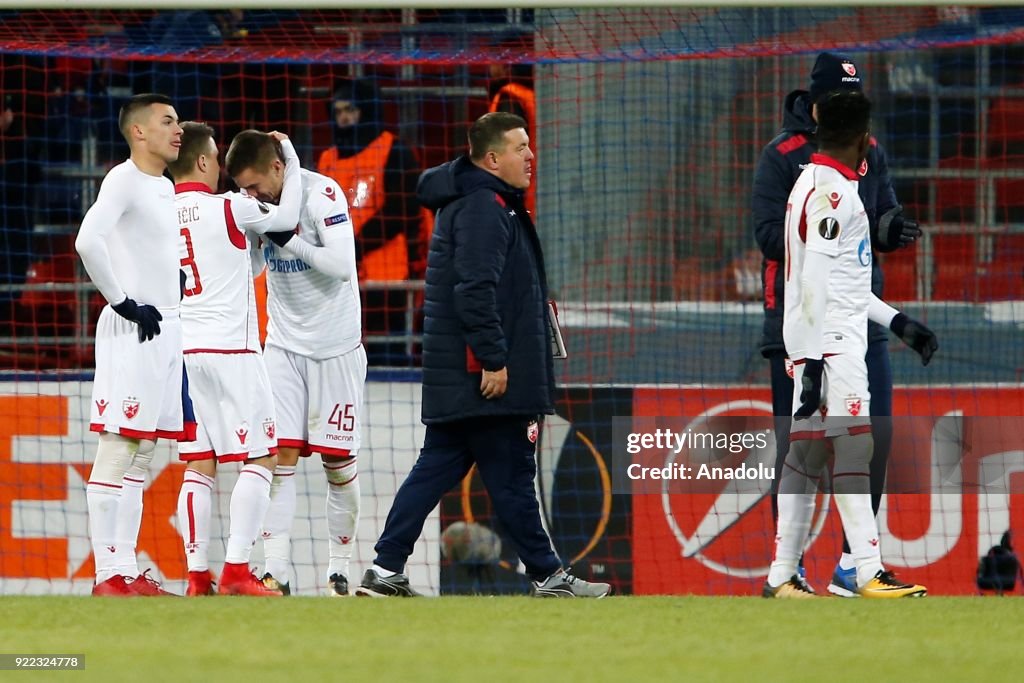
(195, 502)
(342, 517)
(277, 526)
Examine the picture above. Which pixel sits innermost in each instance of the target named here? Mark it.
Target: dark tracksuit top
(781, 163)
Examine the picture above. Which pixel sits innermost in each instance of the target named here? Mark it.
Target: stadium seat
(900, 269)
(1009, 200)
(955, 267)
(956, 199)
(1006, 135)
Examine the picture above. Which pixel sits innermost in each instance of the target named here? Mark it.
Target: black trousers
(506, 459)
(880, 386)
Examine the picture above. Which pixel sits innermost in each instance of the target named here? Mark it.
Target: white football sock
(249, 502)
(342, 513)
(129, 510)
(129, 521)
(852, 485)
(846, 561)
(114, 455)
(277, 527)
(861, 532)
(385, 573)
(195, 501)
(102, 500)
(795, 513)
(797, 491)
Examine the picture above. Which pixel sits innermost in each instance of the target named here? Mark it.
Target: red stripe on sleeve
(235, 236)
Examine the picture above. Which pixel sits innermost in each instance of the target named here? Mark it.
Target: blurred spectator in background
(378, 173)
(17, 175)
(511, 89)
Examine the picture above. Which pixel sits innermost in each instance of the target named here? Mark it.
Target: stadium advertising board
(718, 538)
(46, 453)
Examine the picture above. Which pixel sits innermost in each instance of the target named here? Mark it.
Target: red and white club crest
(862, 170)
(532, 431)
(269, 429)
(130, 406)
(849, 68)
(853, 405)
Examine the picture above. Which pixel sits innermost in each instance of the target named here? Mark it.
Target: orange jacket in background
(361, 178)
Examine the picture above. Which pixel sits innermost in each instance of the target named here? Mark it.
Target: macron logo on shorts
(335, 220)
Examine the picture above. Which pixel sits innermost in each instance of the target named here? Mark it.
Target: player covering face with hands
(314, 355)
(828, 304)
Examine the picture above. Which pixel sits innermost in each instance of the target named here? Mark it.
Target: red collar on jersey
(192, 187)
(826, 160)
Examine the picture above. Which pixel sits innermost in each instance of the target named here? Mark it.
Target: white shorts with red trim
(234, 407)
(846, 401)
(137, 388)
(319, 402)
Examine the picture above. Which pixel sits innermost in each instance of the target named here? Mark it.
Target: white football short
(319, 402)
(234, 407)
(845, 398)
(137, 389)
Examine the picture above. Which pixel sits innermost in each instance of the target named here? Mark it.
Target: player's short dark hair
(136, 104)
(252, 149)
(488, 132)
(195, 141)
(843, 118)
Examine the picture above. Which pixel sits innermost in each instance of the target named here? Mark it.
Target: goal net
(647, 124)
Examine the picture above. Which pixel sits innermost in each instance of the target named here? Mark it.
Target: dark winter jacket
(782, 160)
(486, 298)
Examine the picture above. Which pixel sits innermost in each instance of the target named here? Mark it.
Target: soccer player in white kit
(828, 304)
(128, 242)
(314, 352)
(228, 380)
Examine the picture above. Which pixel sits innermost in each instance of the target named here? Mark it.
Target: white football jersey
(826, 215)
(218, 312)
(128, 239)
(311, 313)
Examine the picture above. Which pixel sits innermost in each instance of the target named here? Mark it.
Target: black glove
(280, 238)
(810, 392)
(181, 282)
(895, 230)
(146, 316)
(916, 336)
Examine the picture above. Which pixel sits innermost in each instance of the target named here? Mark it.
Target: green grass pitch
(489, 640)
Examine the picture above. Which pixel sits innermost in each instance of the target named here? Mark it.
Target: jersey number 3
(189, 262)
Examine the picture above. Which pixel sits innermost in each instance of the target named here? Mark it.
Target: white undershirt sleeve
(335, 258)
(91, 243)
(880, 312)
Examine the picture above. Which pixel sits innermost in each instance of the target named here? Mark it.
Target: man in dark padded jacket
(488, 376)
(781, 162)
